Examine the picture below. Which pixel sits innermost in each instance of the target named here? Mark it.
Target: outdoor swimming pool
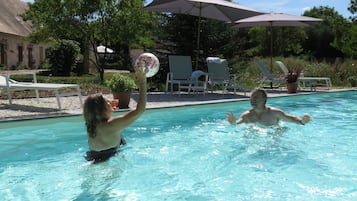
(190, 153)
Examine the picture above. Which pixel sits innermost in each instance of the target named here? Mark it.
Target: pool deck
(47, 107)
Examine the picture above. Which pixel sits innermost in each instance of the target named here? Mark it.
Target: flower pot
(124, 99)
(292, 87)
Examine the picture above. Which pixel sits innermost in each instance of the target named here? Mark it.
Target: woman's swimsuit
(104, 155)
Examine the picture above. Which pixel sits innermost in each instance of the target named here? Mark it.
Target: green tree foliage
(353, 9)
(351, 47)
(179, 34)
(62, 57)
(333, 37)
(286, 41)
(92, 22)
(220, 39)
(348, 42)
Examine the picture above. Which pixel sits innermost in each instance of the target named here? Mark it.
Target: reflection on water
(190, 154)
(98, 180)
(264, 148)
(270, 131)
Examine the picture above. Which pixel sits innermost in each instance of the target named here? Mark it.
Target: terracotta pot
(292, 87)
(124, 99)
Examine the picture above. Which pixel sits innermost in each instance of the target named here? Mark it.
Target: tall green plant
(62, 57)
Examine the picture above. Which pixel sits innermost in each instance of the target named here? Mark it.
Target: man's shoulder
(274, 109)
(246, 113)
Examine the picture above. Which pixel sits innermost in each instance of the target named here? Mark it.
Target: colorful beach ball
(149, 63)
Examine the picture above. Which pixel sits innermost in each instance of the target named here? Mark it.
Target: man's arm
(232, 119)
(294, 119)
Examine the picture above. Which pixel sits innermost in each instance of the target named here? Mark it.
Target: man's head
(258, 97)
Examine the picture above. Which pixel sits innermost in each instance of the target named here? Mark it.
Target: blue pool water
(190, 153)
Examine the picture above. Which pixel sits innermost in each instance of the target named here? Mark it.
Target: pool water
(191, 153)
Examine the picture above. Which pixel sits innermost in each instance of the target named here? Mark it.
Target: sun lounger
(218, 72)
(311, 80)
(181, 75)
(268, 77)
(12, 85)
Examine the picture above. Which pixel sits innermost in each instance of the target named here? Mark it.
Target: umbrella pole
(271, 52)
(198, 39)
(198, 43)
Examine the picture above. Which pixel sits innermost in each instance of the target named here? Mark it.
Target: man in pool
(103, 131)
(265, 115)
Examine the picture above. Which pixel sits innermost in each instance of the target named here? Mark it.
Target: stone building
(15, 50)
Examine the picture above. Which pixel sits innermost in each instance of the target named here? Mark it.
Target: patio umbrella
(213, 9)
(276, 20)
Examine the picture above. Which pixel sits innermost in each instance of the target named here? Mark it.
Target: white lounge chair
(268, 77)
(12, 85)
(218, 72)
(181, 75)
(302, 79)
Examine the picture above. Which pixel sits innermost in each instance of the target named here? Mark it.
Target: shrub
(62, 57)
(121, 83)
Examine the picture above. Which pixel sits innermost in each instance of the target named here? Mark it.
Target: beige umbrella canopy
(276, 20)
(213, 9)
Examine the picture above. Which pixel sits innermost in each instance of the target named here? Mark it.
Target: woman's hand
(140, 74)
(114, 103)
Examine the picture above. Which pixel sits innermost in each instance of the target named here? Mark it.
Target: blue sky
(295, 7)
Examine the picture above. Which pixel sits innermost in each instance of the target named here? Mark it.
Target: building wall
(15, 52)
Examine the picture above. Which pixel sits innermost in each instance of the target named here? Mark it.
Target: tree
(353, 9)
(351, 48)
(326, 39)
(286, 40)
(92, 22)
(217, 38)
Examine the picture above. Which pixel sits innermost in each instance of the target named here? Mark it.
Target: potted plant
(291, 78)
(121, 86)
(353, 80)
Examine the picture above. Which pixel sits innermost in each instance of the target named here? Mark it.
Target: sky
(295, 7)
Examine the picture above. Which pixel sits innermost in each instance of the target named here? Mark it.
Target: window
(20, 50)
(2, 53)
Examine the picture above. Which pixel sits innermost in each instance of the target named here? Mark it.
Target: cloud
(306, 9)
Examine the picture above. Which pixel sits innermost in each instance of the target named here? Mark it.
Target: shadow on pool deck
(184, 97)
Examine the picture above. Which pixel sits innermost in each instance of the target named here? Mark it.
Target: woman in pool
(268, 116)
(103, 131)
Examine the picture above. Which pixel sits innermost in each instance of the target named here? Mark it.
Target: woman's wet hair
(94, 112)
